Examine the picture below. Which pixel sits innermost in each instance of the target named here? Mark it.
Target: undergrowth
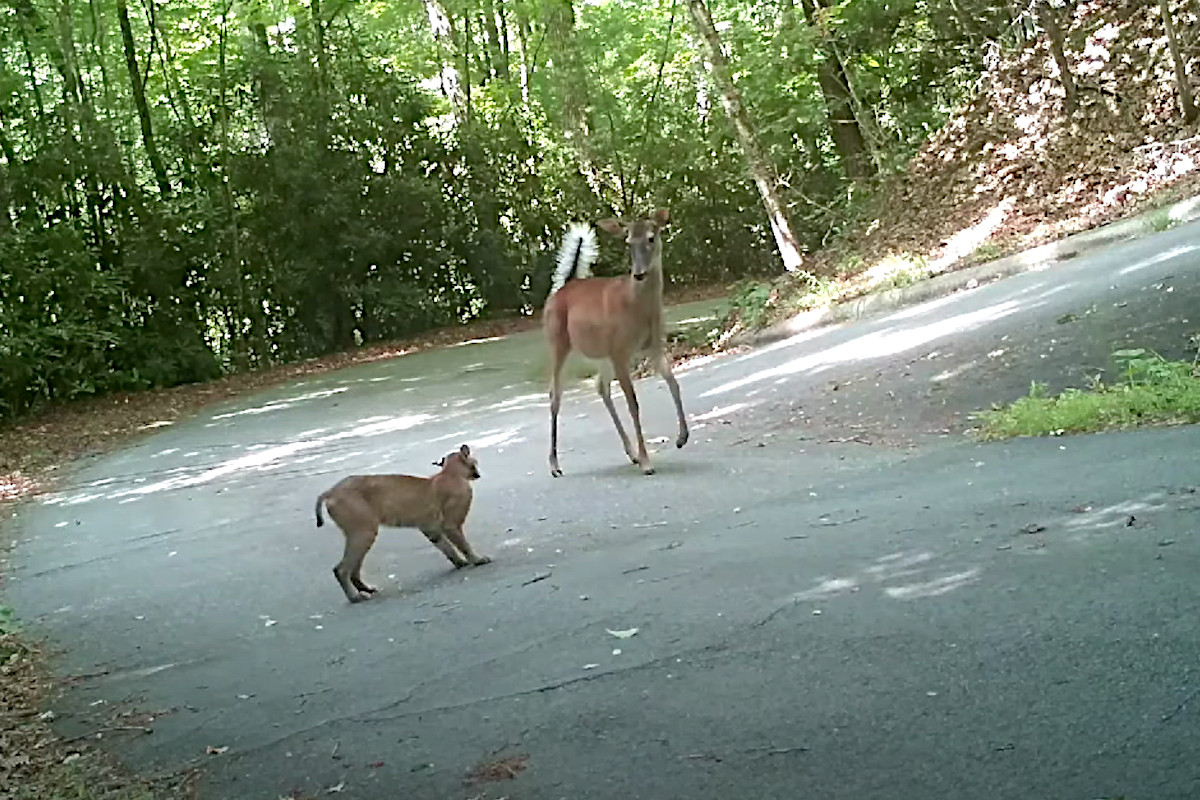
(1150, 390)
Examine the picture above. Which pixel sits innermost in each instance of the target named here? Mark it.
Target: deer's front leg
(664, 369)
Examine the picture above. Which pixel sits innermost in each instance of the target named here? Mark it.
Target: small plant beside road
(1150, 390)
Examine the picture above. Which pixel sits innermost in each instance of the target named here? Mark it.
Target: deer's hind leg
(604, 388)
(559, 349)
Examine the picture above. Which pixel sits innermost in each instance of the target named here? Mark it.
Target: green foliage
(8, 622)
(750, 302)
(1151, 390)
(1160, 220)
(988, 251)
(310, 177)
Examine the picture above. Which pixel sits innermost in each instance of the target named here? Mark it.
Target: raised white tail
(576, 256)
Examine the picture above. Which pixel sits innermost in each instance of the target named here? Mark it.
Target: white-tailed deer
(611, 320)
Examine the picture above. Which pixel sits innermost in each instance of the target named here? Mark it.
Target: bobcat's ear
(441, 462)
(466, 451)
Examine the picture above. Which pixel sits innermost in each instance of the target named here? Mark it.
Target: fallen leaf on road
(1033, 527)
(337, 787)
(1081, 509)
(616, 651)
(504, 769)
(590, 666)
(215, 751)
(625, 634)
(541, 576)
(375, 764)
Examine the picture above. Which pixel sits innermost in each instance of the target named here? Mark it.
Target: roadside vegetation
(38, 764)
(1044, 148)
(1149, 390)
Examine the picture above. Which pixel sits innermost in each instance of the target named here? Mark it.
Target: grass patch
(1151, 390)
(1161, 220)
(988, 251)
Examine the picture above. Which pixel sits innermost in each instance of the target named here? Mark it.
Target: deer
(612, 321)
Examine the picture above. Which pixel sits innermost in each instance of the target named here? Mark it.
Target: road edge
(1037, 258)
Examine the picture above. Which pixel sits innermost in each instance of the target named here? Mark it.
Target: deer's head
(642, 237)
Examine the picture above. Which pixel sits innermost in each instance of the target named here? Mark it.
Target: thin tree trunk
(1187, 101)
(761, 168)
(6, 149)
(138, 85)
(501, 16)
(98, 43)
(495, 46)
(839, 106)
(238, 340)
(33, 81)
(445, 41)
(1048, 16)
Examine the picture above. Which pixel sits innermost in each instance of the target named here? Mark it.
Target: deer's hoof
(647, 469)
(682, 440)
(555, 472)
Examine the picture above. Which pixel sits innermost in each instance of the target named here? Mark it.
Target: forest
(196, 188)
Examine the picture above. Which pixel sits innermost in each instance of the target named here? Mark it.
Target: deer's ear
(662, 217)
(612, 225)
(466, 451)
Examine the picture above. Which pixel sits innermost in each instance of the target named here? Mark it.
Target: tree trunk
(572, 84)
(496, 57)
(839, 105)
(238, 341)
(501, 16)
(138, 84)
(760, 165)
(1187, 101)
(1048, 16)
(442, 29)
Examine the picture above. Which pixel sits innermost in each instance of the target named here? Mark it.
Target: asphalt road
(836, 593)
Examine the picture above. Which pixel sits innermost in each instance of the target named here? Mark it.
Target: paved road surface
(833, 588)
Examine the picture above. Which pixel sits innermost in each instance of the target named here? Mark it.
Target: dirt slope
(1012, 169)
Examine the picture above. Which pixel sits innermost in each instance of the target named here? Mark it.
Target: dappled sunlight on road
(934, 587)
(1159, 258)
(279, 405)
(476, 341)
(887, 341)
(260, 457)
(1123, 514)
(721, 411)
(892, 573)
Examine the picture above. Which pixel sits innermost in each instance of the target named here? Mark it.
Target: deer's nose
(640, 277)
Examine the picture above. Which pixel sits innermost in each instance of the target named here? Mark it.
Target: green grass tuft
(1161, 220)
(1150, 391)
